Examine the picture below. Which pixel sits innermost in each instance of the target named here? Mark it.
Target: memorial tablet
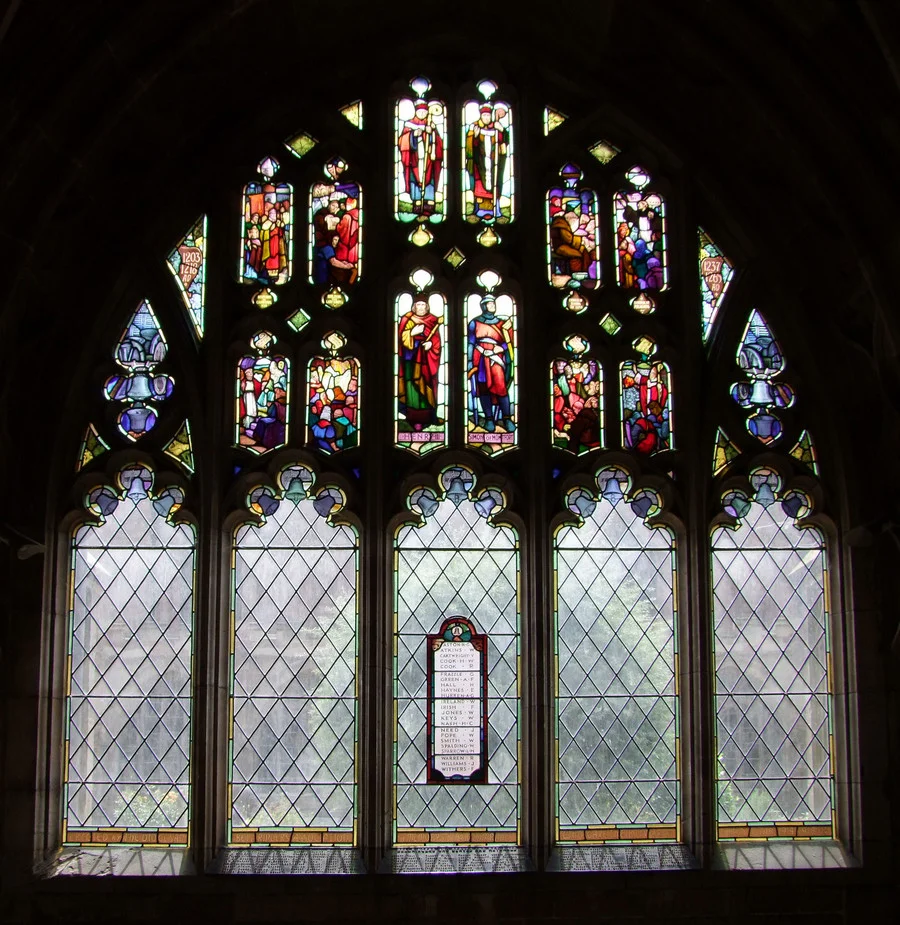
(457, 704)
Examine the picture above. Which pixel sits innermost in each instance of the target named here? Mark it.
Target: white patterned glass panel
(772, 688)
(457, 564)
(294, 662)
(129, 704)
(617, 720)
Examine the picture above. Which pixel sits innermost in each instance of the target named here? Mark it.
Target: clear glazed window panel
(457, 564)
(617, 721)
(130, 650)
(772, 685)
(294, 685)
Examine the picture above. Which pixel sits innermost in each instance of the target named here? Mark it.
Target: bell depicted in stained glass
(640, 235)
(488, 163)
(576, 388)
(490, 367)
(646, 406)
(420, 183)
(761, 360)
(262, 397)
(333, 398)
(573, 234)
(266, 239)
(421, 368)
(140, 348)
(335, 229)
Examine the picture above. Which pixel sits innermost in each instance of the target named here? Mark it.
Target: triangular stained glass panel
(804, 451)
(758, 350)
(187, 261)
(142, 343)
(725, 452)
(353, 113)
(180, 447)
(92, 446)
(716, 271)
(553, 119)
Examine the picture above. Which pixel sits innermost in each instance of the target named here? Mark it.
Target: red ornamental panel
(457, 704)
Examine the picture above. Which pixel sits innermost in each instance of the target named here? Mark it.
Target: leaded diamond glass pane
(617, 720)
(294, 684)
(129, 703)
(457, 563)
(771, 656)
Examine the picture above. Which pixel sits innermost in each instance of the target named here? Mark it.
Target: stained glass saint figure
(266, 239)
(490, 371)
(421, 371)
(488, 165)
(646, 406)
(576, 388)
(335, 228)
(421, 183)
(262, 397)
(573, 233)
(140, 348)
(333, 398)
(640, 235)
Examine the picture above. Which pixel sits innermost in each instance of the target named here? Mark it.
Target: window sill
(489, 859)
(117, 861)
(287, 861)
(593, 858)
(782, 855)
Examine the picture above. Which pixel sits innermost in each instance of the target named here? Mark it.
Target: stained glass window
(576, 398)
(481, 443)
(333, 398)
(455, 560)
(617, 651)
(293, 738)
(262, 390)
(187, 262)
(129, 666)
(640, 234)
(267, 228)
(761, 360)
(140, 348)
(773, 702)
(716, 271)
(573, 232)
(421, 412)
(491, 373)
(488, 174)
(646, 406)
(420, 185)
(335, 231)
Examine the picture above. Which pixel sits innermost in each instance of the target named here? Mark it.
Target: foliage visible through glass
(771, 656)
(456, 563)
(617, 723)
(293, 739)
(128, 710)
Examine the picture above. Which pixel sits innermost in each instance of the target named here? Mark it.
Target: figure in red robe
(421, 159)
(420, 362)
